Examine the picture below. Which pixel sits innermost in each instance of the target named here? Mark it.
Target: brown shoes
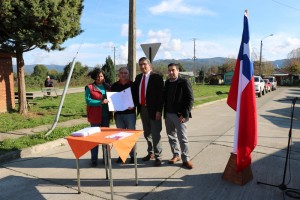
(148, 157)
(188, 165)
(174, 160)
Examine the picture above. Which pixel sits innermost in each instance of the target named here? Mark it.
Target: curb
(27, 152)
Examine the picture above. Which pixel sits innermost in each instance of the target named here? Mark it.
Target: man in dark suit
(148, 97)
(178, 99)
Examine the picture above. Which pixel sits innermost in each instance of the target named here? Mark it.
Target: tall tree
(109, 70)
(293, 62)
(181, 67)
(40, 70)
(29, 24)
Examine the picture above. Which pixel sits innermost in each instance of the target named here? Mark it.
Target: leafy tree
(109, 70)
(78, 71)
(29, 24)
(201, 76)
(40, 71)
(293, 62)
(181, 68)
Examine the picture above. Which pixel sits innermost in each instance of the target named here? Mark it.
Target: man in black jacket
(178, 99)
(148, 97)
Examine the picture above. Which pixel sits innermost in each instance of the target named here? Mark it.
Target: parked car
(268, 85)
(273, 81)
(259, 86)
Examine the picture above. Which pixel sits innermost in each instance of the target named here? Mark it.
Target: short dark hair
(173, 64)
(95, 73)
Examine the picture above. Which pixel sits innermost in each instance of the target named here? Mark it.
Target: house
(7, 100)
(188, 75)
(228, 78)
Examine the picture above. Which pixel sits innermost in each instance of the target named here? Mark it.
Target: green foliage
(109, 71)
(78, 71)
(181, 68)
(201, 76)
(31, 140)
(28, 24)
(40, 71)
(44, 112)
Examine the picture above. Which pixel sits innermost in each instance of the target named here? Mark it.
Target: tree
(29, 24)
(40, 71)
(293, 62)
(79, 71)
(181, 67)
(201, 76)
(109, 70)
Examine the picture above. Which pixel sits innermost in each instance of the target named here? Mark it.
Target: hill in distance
(187, 63)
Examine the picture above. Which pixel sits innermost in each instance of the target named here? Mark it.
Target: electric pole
(132, 39)
(194, 58)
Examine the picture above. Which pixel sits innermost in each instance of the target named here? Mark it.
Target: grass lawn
(74, 107)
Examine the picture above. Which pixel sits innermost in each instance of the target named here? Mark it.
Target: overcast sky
(216, 26)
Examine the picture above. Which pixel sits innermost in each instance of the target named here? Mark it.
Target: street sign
(150, 50)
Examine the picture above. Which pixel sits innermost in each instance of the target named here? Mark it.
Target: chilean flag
(242, 99)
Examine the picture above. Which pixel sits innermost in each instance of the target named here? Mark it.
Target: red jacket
(94, 113)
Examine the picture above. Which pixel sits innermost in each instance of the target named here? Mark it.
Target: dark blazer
(183, 99)
(154, 94)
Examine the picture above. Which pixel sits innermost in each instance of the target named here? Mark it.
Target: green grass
(9, 145)
(44, 112)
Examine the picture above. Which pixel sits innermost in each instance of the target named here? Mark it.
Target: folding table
(123, 146)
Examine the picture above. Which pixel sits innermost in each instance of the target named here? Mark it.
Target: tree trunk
(21, 83)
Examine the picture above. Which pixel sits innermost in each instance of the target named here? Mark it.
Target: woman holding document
(124, 119)
(97, 105)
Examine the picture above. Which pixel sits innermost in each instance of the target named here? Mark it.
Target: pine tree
(109, 71)
(29, 24)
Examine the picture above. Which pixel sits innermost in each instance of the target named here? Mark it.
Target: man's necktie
(143, 88)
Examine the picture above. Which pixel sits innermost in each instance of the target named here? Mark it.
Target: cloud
(124, 31)
(177, 6)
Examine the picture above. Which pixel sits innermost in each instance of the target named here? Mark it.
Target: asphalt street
(49, 171)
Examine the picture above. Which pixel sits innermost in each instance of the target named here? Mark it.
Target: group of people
(150, 96)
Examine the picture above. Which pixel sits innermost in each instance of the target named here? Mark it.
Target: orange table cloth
(81, 145)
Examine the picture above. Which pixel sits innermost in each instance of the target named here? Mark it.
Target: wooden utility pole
(132, 39)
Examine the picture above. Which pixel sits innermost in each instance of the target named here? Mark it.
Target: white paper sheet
(120, 101)
(86, 131)
(119, 136)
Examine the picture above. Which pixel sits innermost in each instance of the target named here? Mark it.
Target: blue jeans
(126, 121)
(94, 151)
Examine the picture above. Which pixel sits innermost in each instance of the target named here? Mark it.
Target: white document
(119, 136)
(86, 131)
(120, 101)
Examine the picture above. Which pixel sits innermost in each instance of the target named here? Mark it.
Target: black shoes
(119, 160)
(94, 164)
(148, 157)
(131, 161)
(157, 162)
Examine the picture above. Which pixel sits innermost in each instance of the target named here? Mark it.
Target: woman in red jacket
(97, 105)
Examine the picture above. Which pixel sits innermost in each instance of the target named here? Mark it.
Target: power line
(286, 5)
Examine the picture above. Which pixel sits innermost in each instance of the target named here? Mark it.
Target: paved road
(51, 174)
(59, 91)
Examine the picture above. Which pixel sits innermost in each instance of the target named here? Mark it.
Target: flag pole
(233, 173)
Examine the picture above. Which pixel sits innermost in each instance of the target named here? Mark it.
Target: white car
(259, 86)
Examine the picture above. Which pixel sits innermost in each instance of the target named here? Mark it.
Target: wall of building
(7, 98)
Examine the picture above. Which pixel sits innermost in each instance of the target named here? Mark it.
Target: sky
(214, 25)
